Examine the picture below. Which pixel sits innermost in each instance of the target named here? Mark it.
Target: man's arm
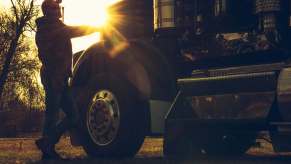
(59, 28)
(77, 31)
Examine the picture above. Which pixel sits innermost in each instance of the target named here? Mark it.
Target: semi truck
(207, 75)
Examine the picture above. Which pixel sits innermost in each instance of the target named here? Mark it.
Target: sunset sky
(83, 12)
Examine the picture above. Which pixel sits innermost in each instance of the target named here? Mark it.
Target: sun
(87, 12)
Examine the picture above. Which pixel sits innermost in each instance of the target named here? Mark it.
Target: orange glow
(87, 12)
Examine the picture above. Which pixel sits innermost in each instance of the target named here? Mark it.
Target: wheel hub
(103, 117)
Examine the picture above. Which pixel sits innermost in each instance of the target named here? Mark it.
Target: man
(55, 52)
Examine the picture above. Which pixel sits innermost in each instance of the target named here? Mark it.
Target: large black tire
(133, 112)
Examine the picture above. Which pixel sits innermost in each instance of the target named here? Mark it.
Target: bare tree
(23, 12)
(5, 33)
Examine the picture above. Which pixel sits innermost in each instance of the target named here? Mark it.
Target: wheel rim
(103, 118)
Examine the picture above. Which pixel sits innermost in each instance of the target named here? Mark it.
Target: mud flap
(281, 136)
(177, 136)
(188, 137)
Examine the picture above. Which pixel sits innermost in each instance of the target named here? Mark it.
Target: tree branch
(15, 12)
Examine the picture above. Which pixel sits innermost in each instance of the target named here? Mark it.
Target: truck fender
(141, 63)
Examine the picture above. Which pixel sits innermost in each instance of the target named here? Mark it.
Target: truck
(207, 75)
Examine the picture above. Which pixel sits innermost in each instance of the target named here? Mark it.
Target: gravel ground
(24, 151)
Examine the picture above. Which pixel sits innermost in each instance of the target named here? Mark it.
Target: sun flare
(87, 12)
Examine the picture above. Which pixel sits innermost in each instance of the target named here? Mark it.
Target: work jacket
(53, 39)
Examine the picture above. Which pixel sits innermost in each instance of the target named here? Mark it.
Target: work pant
(58, 95)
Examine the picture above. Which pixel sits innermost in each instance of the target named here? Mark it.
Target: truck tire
(114, 119)
(228, 144)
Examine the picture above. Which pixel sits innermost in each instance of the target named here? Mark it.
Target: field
(23, 150)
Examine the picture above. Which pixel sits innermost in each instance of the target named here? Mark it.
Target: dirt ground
(23, 150)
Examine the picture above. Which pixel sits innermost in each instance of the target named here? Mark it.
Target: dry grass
(18, 151)
(24, 150)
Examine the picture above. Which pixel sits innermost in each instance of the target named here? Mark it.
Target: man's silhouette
(55, 52)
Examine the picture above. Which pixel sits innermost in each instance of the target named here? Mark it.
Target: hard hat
(51, 8)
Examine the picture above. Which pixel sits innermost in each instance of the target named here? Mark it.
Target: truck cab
(207, 75)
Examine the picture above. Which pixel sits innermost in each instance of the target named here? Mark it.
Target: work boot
(47, 149)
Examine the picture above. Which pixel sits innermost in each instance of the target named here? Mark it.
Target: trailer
(207, 75)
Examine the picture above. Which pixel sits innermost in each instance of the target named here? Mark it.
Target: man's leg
(70, 109)
(51, 114)
(60, 126)
(71, 122)
(47, 143)
(53, 98)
